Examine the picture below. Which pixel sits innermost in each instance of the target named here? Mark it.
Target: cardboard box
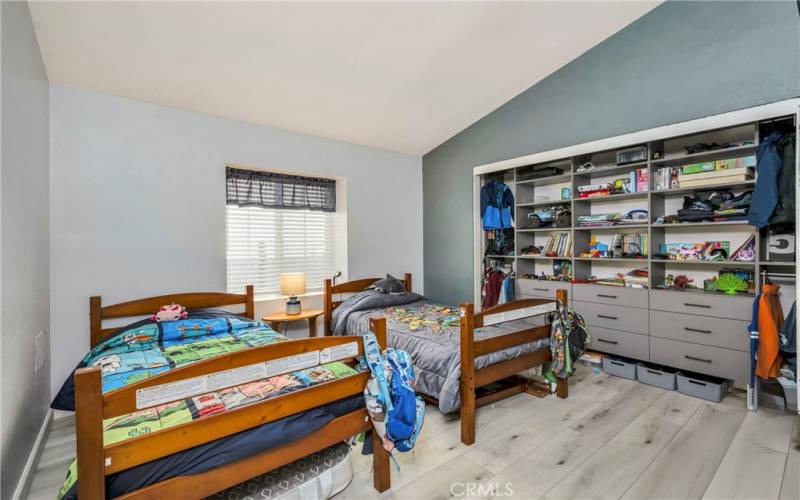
(706, 166)
(744, 161)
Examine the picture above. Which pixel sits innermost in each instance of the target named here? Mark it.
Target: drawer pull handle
(616, 363)
(697, 382)
(696, 330)
(608, 341)
(704, 306)
(653, 372)
(606, 317)
(697, 359)
(541, 289)
(607, 296)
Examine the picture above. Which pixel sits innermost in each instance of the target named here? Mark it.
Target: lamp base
(293, 306)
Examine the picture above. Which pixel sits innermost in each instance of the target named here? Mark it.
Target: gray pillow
(390, 285)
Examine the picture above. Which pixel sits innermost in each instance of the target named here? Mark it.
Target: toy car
(557, 216)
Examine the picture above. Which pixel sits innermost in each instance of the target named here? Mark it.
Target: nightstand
(279, 320)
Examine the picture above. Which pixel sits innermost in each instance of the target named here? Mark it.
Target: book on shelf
(559, 244)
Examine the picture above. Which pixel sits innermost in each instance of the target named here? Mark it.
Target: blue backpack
(397, 413)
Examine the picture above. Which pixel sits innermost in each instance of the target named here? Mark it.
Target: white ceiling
(399, 76)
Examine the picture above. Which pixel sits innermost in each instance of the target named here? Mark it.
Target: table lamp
(293, 284)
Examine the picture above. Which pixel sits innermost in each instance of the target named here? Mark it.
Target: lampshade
(293, 283)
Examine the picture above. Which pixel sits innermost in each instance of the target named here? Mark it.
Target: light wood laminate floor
(612, 438)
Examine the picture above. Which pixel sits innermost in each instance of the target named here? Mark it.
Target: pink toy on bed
(170, 312)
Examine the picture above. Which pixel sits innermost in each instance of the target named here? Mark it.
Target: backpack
(397, 413)
(568, 340)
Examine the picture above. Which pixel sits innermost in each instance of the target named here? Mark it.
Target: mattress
(431, 334)
(318, 476)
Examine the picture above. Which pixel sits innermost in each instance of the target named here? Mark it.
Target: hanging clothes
(507, 289)
(783, 217)
(492, 285)
(789, 340)
(770, 321)
(773, 197)
(497, 202)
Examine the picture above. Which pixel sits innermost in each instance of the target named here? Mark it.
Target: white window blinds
(264, 241)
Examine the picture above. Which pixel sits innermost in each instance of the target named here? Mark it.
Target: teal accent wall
(681, 61)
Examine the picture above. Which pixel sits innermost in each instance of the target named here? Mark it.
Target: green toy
(730, 284)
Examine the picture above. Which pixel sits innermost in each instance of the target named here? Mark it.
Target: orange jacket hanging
(770, 320)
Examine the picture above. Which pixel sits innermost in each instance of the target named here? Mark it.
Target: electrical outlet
(38, 351)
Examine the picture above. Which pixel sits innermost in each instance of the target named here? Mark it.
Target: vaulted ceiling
(399, 76)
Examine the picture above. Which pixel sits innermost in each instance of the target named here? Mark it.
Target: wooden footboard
(96, 460)
(473, 379)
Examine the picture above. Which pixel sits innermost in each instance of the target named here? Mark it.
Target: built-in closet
(599, 219)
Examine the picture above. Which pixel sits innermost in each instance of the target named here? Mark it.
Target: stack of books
(638, 278)
(715, 177)
(559, 245)
(594, 190)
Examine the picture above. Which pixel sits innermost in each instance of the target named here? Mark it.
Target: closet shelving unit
(653, 324)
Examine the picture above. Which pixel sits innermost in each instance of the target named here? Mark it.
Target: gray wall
(24, 270)
(138, 204)
(681, 61)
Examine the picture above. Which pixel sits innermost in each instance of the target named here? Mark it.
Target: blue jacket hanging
(765, 195)
(497, 202)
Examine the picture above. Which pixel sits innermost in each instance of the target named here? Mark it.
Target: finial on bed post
(407, 279)
(95, 320)
(467, 374)
(328, 307)
(250, 306)
(562, 384)
(89, 432)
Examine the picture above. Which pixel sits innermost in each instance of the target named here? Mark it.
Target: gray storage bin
(619, 367)
(659, 377)
(702, 386)
(790, 391)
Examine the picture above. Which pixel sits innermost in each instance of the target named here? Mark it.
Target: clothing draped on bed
(430, 333)
(146, 348)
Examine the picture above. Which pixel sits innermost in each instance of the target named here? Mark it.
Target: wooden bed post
(250, 306)
(562, 384)
(328, 307)
(467, 375)
(407, 279)
(378, 327)
(95, 320)
(381, 479)
(89, 432)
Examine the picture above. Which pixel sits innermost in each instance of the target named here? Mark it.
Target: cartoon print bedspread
(145, 350)
(430, 333)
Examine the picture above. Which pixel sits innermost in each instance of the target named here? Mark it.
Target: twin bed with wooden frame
(473, 381)
(96, 460)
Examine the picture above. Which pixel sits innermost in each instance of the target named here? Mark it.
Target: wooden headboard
(149, 305)
(354, 286)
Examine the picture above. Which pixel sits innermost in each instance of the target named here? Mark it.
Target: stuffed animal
(170, 312)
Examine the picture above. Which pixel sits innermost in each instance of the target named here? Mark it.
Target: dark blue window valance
(272, 190)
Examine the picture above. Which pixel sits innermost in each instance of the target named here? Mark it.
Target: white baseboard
(30, 464)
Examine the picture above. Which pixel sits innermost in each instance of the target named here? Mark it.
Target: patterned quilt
(430, 333)
(147, 348)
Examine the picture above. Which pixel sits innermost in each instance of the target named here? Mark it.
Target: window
(279, 223)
